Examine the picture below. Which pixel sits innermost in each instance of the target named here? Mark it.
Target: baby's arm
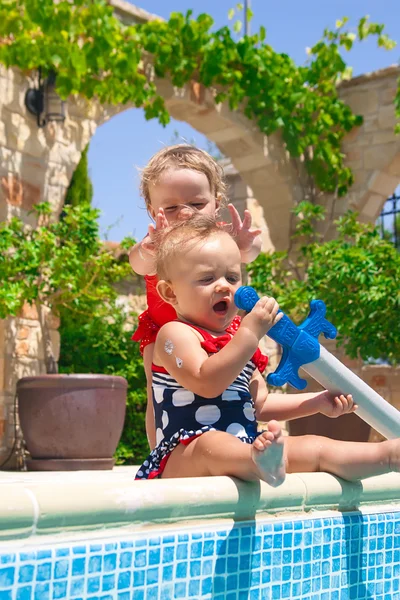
(178, 349)
(284, 407)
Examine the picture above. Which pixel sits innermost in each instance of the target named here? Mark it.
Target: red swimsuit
(157, 314)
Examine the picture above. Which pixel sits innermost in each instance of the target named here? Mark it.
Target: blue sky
(127, 141)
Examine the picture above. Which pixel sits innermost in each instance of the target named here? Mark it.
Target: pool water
(333, 557)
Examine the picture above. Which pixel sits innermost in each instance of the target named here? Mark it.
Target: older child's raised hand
(336, 406)
(263, 316)
(247, 239)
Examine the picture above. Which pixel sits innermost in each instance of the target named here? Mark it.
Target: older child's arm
(141, 255)
(178, 349)
(284, 407)
(248, 240)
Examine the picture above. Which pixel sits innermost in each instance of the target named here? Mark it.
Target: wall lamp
(44, 102)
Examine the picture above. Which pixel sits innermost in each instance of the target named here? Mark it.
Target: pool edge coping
(33, 504)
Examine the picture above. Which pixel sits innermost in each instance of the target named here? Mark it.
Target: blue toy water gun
(301, 348)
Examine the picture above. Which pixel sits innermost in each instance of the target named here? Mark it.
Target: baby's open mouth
(221, 307)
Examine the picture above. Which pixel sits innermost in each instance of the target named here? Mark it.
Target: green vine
(98, 57)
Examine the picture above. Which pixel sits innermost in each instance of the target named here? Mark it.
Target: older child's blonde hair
(181, 236)
(183, 156)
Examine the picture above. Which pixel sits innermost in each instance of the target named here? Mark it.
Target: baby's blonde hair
(182, 235)
(183, 156)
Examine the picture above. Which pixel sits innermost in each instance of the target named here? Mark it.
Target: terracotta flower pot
(71, 422)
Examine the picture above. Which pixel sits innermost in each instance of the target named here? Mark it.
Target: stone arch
(372, 150)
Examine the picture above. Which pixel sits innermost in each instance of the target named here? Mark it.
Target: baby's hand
(244, 236)
(263, 316)
(336, 406)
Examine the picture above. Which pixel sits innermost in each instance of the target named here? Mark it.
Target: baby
(208, 394)
(178, 181)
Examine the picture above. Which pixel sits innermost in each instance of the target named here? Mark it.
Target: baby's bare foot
(267, 454)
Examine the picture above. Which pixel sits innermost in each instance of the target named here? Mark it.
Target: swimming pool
(103, 536)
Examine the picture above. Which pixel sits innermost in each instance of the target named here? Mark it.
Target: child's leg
(220, 453)
(150, 424)
(349, 460)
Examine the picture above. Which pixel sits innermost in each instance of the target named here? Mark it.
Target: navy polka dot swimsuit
(181, 416)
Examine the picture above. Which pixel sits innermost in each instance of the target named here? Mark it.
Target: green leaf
(237, 26)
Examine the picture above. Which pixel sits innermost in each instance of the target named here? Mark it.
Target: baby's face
(204, 280)
(177, 189)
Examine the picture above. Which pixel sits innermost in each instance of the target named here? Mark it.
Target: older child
(178, 181)
(208, 394)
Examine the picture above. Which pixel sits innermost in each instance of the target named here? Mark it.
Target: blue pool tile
(26, 573)
(167, 592)
(139, 577)
(169, 551)
(125, 560)
(206, 586)
(60, 589)
(155, 541)
(206, 567)
(6, 559)
(195, 568)
(140, 558)
(181, 551)
(154, 556)
(42, 591)
(111, 546)
(180, 590)
(78, 566)
(244, 562)
(266, 576)
(245, 544)
(232, 582)
(244, 580)
(124, 596)
(220, 566)
(7, 576)
(181, 570)
(24, 593)
(43, 572)
(233, 546)
(256, 560)
(93, 584)
(219, 584)
(108, 582)
(167, 573)
(152, 575)
(124, 580)
(194, 588)
(109, 562)
(6, 595)
(76, 587)
(208, 548)
(27, 556)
